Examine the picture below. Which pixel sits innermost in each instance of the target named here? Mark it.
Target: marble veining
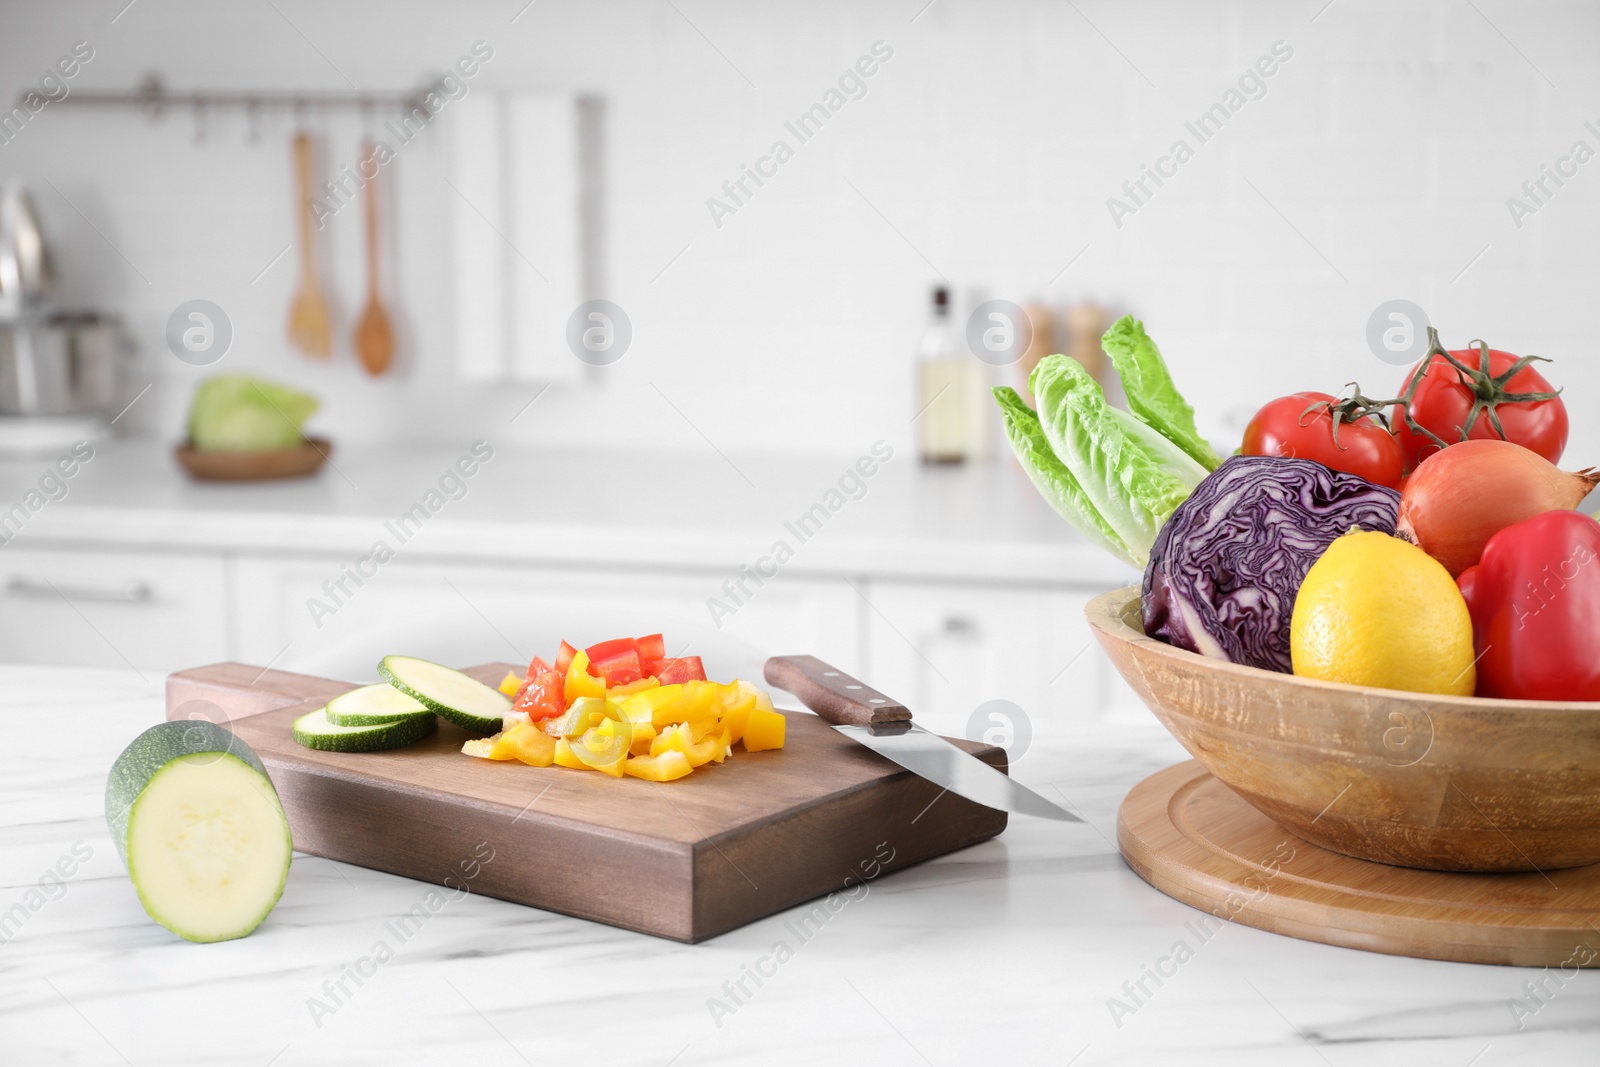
(1013, 951)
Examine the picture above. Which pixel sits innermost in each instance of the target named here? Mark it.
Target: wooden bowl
(1412, 779)
(297, 462)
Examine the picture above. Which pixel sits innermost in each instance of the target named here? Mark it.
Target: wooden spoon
(374, 337)
(310, 322)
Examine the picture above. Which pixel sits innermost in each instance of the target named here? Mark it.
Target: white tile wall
(990, 141)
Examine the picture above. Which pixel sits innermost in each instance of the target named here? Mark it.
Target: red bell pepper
(618, 669)
(564, 659)
(674, 671)
(542, 695)
(1534, 597)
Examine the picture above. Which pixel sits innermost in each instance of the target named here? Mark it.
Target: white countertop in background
(983, 521)
(1007, 953)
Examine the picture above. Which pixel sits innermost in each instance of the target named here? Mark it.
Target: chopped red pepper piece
(619, 669)
(673, 671)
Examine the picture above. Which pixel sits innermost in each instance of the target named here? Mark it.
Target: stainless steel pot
(60, 364)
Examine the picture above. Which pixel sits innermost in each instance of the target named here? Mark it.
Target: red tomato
(673, 671)
(650, 647)
(619, 669)
(542, 696)
(1300, 426)
(564, 658)
(1444, 399)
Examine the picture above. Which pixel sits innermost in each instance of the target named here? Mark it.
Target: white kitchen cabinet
(460, 614)
(153, 611)
(945, 648)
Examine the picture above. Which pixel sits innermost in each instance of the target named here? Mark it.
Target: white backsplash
(1374, 163)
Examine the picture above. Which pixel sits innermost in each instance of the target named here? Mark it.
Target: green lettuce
(1151, 395)
(239, 413)
(1050, 476)
(1115, 476)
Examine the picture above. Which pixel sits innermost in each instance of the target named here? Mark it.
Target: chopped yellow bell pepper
(696, 702)
(584, 713)
(764, 730)
(604, 748)
(617, 692)
(680, 738)
(739, 699)
(642, 707)
(724, 747)
(666, 767)
(580, 683)
(510, 684)
(565, 757)
(527, 743)
(482, 747)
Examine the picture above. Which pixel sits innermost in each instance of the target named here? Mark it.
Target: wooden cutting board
(1194, 839)
(685, 860)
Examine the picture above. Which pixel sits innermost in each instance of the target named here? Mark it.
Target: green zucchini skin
(153, 750)
(477, 725)
(314, 731)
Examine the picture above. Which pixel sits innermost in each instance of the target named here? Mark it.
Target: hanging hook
(199, 121)
(252, 118)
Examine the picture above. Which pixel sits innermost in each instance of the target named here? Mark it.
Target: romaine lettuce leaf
(1151, 395)
(1132, 476)
(1051, 477)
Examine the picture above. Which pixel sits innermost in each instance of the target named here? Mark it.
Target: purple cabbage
(1226, 567)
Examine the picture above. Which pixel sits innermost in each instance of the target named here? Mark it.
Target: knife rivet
(852, 686)
(830, 674)
(877, 700)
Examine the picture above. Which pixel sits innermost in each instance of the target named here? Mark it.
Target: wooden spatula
(310, 322)
(374, 337)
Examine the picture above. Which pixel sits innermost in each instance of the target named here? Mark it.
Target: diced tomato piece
(564, 659)
(619, 669)
(542, 697)
(606, 650)
(650, 647)
(681, 669)
(536, 668)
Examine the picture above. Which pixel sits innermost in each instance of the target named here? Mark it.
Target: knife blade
(865, 715)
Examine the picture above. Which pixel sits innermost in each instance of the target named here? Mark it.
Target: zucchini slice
(199, 828)
(477, 708)
(315, 731)
(373, 705)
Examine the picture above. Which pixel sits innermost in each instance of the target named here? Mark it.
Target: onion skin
(1460, 497)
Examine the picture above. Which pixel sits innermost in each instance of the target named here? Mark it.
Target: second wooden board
(1194, 839)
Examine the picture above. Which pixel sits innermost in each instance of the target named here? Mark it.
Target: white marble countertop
(1008, 952)
(982, 521)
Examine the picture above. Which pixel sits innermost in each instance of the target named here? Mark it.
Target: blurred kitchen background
(596, 151)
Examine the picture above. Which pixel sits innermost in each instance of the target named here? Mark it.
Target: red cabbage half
(1226, 566)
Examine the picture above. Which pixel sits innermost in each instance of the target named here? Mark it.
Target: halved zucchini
(199, 828)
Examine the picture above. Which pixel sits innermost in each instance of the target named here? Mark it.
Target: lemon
(1376, 610)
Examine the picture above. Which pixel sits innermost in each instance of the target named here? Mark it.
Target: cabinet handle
(109, 592)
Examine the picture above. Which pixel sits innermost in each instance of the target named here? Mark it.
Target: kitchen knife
(862, 713)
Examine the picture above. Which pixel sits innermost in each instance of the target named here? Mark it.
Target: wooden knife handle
(833, 694)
